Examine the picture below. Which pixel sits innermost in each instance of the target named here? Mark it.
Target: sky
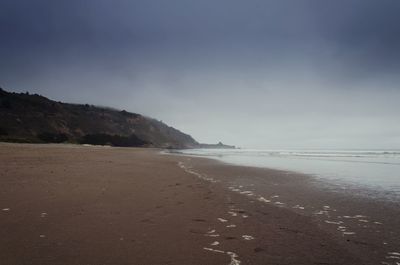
(275, 74)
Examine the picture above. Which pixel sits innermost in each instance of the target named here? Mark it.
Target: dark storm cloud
(281, 68)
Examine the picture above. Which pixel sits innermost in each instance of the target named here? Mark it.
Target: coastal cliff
(34, 119)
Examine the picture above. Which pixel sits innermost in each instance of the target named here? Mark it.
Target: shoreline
(362, 224)
(96, 205)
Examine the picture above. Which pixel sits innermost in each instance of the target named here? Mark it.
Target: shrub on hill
(114, 140)
(48, 137)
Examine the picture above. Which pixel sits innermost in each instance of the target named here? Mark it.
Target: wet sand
(67, 204)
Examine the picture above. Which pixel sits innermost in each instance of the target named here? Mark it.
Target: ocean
(376, 172)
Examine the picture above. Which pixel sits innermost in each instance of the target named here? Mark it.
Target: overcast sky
(254, 73)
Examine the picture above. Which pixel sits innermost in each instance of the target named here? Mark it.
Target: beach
(71, 204)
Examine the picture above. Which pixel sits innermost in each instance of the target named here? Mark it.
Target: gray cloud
(304, 73)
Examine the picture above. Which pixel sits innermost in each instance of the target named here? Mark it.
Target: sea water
(377, 170)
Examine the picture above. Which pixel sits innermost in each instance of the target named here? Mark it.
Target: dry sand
(66, 204)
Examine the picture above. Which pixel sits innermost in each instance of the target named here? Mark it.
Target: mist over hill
(34, 118)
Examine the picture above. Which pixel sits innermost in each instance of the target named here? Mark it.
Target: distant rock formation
(36, 119)
(219, 145)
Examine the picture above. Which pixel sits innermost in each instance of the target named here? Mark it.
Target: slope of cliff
(34, 118)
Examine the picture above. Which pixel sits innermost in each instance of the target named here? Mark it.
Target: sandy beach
(70, 204)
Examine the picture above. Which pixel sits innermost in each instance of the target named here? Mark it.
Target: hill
(33, 118)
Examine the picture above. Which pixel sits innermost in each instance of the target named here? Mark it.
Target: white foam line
(233, 213)
(363, 220)
(354, 217)
(234, 260)
(232, 255)
(247, 237)
(245, 216)
(392, 257)
(334, 222)
(214, 250)
(6, 209)
(213, 235)
(222, 220)
(394, 253)
(279, 203)
(215, 243)
(43, 215)
(298, 207)
(211, 231)
(321, 212)
(204, 177)
(275, 196)
(230, 226)
(262, 199)
(378, 223)
(349, 233)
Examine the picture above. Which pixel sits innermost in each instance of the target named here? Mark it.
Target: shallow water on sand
(377, 173)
